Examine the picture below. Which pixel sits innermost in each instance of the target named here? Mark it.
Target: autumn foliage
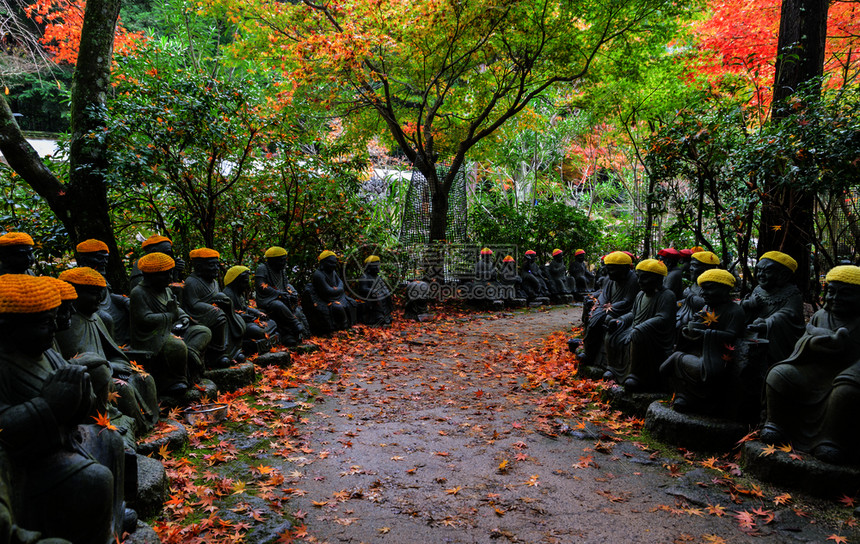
(63, 20)
(739, 40)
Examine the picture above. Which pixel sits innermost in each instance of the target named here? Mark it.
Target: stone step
(701, 433)
(152, 487)
(806, 474)
(232, 378)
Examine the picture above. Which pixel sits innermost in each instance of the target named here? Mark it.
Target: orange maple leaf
(104, 421)
(709, 317)
(838, 539)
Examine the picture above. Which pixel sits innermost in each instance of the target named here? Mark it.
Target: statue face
(715, 293)
(697, 267)
(277, 263)
(843, 299)
(329, 263)
(242, 282)
(30, 334)
(649, 282)
(97, 260)
(372, 269)
(161, 247)
(771, 275)
(18, 259)
(89, 298)
(580, 257)
(617, 272)
(206, 268)
(158, 280)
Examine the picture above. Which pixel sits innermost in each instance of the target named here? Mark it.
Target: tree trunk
(786, 216)
(87, 191)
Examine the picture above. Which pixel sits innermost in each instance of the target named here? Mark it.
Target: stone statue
(87, 334)
(774, 310)
(511, 282)
(693, 302)
(674, 279)
(699, 370)
(206, 304)
(375, 305)
(558, 284)
(533, 281)
(278, 298)
(582, 276)
(813, 397)
(684, 264)
(614, 300)
(484, 290)
(67, 475)
(113, 308)
(10, 531)
(260, 331)
(324, 298)
(638, 342)
(158, 244)
(16, 253)
(160, 327)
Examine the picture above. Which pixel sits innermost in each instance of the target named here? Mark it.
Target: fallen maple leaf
(709, 317)
(384, 530)
(103, 420)
(453, 490)
(785, 498)
(716, 510)
(848, 501)
(503, 466)
(770, 449)
(838, 539)
(746, 520)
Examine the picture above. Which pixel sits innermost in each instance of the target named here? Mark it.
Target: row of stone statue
(750, 360)
(63, 365)
(553, 282)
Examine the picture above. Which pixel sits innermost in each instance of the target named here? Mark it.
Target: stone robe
(280, 300)
(782, 313)
(691, 304)
(814, 395)
(327, 306)
(674, 282)
(700, 369)
(614, 300)
(582, 277)
(173, 360)
(640, 345)
(257, 324)
(138, 397)
(375, 302)
(228, 329)
(57, 462)
(558, 280)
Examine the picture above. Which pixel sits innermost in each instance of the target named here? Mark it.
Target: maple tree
(440, 77)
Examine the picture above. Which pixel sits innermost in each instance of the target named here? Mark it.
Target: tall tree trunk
(786, 216)
(81, 203)
(87, 192)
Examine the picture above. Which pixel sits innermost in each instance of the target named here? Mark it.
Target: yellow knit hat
(371, 259)
(717, 275)
(618, 257)
(155, 239)
(556, 252)
(234, 272)
(91, 246)
(204, 253)
(508, 259)
(155, 262)
(83, 275)
(844, 273)
(25, 294)
(67, 292)
(16, 239)
(326, 254)
(486, 251)
(275, 251)
(707, 257)
(781, 258)
(653, 265)
(579, 252)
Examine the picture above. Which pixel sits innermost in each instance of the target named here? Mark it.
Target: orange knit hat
(155, 239)
(91, 246)
(204, 253)
(25, 294)
(67, 292)
(16, 239)
(83, 275)
(155, 262)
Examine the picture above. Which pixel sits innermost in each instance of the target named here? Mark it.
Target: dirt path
(431, 439)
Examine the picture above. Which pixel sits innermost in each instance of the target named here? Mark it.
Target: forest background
(239, 124)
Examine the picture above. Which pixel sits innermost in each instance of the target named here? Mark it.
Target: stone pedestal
(232, 378)
(168, 432)
(692, 431)
(281, 359)
(152, 487)
(144, 534)
(631, 403)
(515, 302)
(592, 372)
(807, 474)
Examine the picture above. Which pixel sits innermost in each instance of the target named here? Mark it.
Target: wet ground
(433, 435)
